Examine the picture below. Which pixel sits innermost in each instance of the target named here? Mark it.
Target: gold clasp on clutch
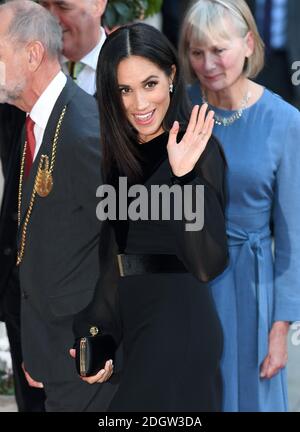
(94, 330)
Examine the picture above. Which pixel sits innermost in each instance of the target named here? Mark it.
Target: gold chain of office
(42, 185)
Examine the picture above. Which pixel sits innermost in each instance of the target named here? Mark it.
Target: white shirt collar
(91, 59)
(43, 107)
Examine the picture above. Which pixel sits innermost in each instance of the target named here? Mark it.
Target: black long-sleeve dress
(172, 339)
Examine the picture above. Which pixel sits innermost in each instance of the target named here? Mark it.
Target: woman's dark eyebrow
(143, 82)
(150, 77)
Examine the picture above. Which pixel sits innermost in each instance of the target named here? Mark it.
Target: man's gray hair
(32, 22)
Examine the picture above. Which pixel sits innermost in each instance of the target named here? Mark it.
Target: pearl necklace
(227, 121)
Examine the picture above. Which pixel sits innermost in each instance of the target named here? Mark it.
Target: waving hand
(184, 155)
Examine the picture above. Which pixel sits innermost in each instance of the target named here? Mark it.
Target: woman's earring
(171, 88)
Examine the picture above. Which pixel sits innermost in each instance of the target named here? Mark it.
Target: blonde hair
(204, 21)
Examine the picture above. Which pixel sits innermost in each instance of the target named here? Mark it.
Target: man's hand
(30, 380)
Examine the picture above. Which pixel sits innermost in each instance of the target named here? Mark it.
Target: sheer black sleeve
(204, 252)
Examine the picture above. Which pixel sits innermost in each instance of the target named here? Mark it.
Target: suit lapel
(46, 147)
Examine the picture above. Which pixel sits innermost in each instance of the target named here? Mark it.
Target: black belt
(137, 264)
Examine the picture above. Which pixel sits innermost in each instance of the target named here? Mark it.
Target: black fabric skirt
(172, 345)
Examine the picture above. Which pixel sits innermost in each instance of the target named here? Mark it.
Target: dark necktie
(30, 138)
(75, 68)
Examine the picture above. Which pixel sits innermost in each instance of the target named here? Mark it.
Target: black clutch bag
(92, 352)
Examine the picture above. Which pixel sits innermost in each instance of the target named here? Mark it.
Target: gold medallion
(44, 180)
(42, 186)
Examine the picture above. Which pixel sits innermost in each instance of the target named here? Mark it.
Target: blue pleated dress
(259, 287)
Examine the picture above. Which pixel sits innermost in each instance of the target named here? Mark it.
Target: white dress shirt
(86, 78)
(43, 107)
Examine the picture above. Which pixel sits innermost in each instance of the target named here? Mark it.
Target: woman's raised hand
(184, 155)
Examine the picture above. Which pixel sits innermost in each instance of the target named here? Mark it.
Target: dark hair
(118, 137)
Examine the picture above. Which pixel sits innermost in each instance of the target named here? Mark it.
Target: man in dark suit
(90, 36)
(59, 232)
(28, 399)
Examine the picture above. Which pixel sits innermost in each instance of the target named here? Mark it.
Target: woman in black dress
(157, 298)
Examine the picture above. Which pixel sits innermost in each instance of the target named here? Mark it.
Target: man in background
(83, 37)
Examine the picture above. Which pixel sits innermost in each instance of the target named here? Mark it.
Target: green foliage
(6, 384)
(120, 12)
(154, 6)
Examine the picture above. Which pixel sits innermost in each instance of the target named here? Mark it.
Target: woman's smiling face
(145, 91)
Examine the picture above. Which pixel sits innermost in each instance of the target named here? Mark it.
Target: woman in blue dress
(259, 294)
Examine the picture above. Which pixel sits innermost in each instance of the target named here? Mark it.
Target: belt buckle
(120, 264)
